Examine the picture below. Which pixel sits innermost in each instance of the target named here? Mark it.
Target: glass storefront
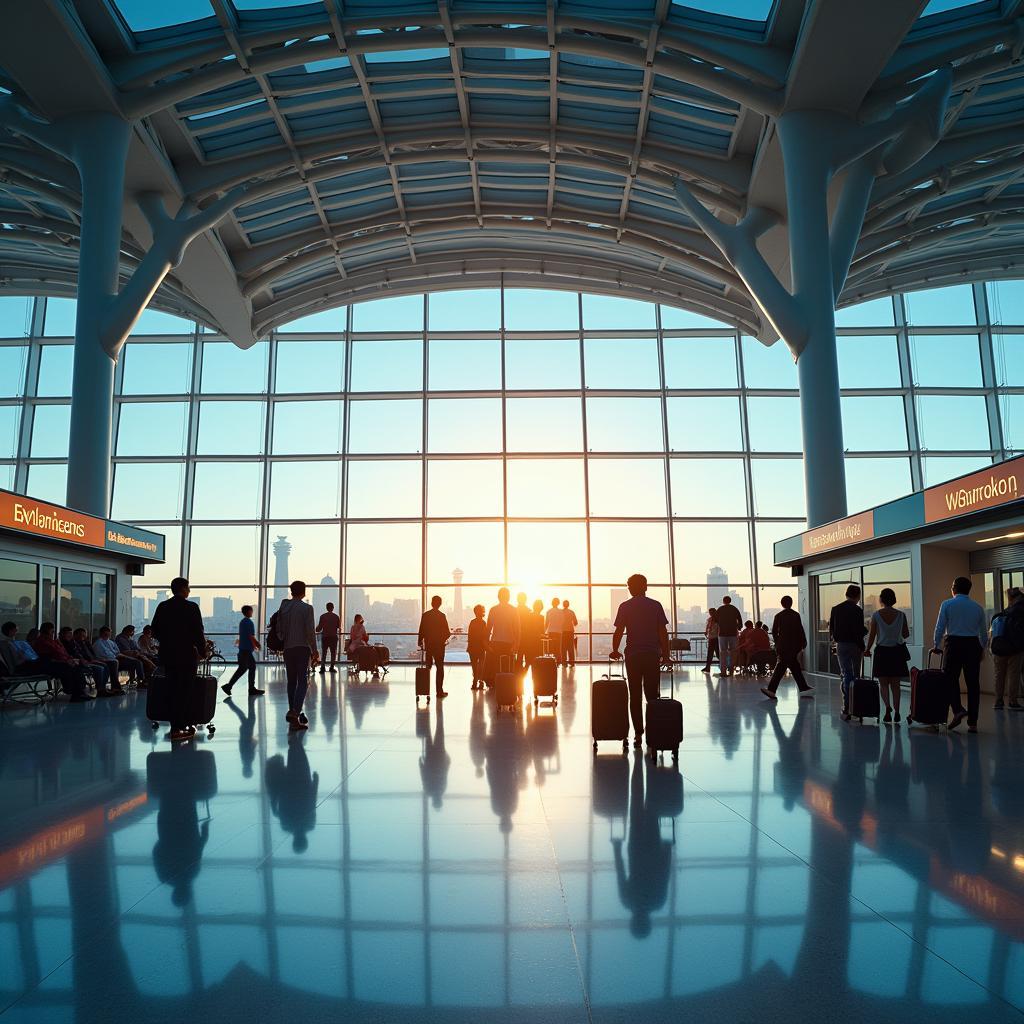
(829, 589)
(29, 595)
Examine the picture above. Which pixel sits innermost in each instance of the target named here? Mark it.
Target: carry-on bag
(381, 658)
(609, 707)
(506, 683)
(366, 659)
(865, 701)
(929, 694)
(200, 700)
(422, 678)
(664, 728)
(545, 674)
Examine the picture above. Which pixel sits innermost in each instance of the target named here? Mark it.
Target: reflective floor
(456, 864)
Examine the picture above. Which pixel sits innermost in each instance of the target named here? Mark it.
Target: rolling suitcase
(865, 701)
(609, 708)
(381, 659)
(506, 684)
(929, 695)
(422, 678)
(664, 728)
(366, 659)
(200, 701)
(545, 674)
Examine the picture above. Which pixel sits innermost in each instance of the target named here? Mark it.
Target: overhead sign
(840, 534)
(989, 488)
(54, 522)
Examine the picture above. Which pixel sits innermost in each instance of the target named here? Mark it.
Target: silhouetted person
(711, 633)
(248, 645)
(476, 646)
(298, 636)
(435, 761)
(847, 631)
(178, 628)
(58, 663)
(889, 632)
(292, 790)
(569, 624)
(961, 626)
(433, 635)
(329, 627)
(644, 622)
(644, 889)
(553, 626)
(503, 629)
(790, 640)
(730, 622)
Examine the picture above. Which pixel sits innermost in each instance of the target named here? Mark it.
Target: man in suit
(790, 640)
(433, 635)
(178, 628)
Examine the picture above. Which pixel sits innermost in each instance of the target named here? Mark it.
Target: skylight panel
(145, 15)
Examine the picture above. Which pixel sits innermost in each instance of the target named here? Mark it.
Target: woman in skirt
(888, 634)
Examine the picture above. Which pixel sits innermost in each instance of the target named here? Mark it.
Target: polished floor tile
(451, 862)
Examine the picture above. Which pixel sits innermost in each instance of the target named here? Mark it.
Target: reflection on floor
(453, 863)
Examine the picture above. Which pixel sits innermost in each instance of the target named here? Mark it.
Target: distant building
(326, 590)
(282, 549)
(138, 610)
(458, 612)
(619, 594)
(161, 595)
(718, 588)
(223, 607)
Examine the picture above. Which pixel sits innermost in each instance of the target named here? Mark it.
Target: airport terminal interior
(413, 300)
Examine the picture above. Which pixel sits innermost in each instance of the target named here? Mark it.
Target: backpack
(1011, 632)
(274, 641)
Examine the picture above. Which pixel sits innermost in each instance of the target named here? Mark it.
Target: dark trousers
(477, 660)
(790, 660)
(246, 663)
(296, 666)
(712, 653)
(328, 644)
(435, 656)
(963, 655)
(643, 674)
(569, 648)
(100, 674)
(180, 680)
(71, 677)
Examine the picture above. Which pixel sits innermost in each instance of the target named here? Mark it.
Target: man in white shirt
(503, 629)
(961, 623)
(554, 625)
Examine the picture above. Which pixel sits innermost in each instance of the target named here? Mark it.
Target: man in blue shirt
(962, 623)
(247, 647)
(643, 621)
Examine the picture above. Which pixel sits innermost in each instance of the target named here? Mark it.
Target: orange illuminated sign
(26, 515)
(988, 489)
(851, 530)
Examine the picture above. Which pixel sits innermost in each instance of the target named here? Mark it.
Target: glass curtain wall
(454, 442)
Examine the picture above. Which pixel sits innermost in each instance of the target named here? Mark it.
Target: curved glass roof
(403, 146)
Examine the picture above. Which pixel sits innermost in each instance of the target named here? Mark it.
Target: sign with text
(41, 519)
(840, 534)
(989, 488)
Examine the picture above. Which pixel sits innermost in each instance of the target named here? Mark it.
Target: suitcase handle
(505, 663)
(932, 654)
(613, 663)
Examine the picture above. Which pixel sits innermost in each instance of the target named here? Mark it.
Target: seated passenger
(357, 637)
(81, 648)
(127, 644)
(108, 650)
(18, 656)
(148, 644)
(744, 645)
(96, 669)
(58, 663)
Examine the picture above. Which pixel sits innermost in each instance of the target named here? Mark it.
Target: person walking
(1007, 646)
(569, 624)
(888, 634)
(298, 638)
(248, 645)
(476, 646)
(711, 633)
(730, 622)
(847, 631)
(645, 624)
(553, 627)
(329, 627)
(433, 635)
(790, 640)
(961, 629)
(178, 628)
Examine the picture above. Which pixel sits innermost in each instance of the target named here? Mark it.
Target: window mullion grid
(425, 384)
(909, 394)
(504, 428)
(343, 498)
(263, 557)
(748, 477)
(30, 387)
(586, 471)
(996, 435)
(191, 450)
(670, 523)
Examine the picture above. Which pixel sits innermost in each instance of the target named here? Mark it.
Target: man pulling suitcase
(644, 622)
(178, 628)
